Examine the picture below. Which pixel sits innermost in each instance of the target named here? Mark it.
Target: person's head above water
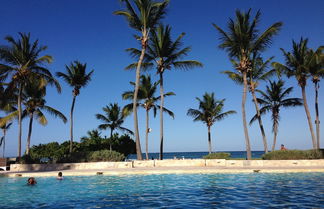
(59, 176)
(31, 181)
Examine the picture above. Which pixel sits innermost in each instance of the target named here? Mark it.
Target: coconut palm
(146, 93)
(22, 59)
(165, 54)
(272, 100)
(113, 119)
(210, 111)
(297, 65)
(259, 72)
(143, 18)
(5, 127)
(316, 71)
(241, 41)
(35, 105)
(77, 78)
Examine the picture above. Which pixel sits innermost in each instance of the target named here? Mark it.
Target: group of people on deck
(32, 180)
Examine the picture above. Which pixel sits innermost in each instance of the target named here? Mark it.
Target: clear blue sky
(88, 31)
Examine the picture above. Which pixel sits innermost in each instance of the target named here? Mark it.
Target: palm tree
(77, 78)
(143, 18)
(35, 105)
(272, 100)
(4, 128)
(21, 60)
(257, 74)
(316, 71)
(297, 65)
(242, 40)
(210, 110)
(113, 119)
(165, 54)
(146, 93)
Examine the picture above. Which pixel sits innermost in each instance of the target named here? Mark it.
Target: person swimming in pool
(31, 181)
(59, 176)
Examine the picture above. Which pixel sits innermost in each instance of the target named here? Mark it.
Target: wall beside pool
(221, 163)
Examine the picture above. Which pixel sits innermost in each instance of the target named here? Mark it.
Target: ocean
(196, 155)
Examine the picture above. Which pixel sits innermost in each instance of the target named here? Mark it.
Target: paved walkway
(163, 170)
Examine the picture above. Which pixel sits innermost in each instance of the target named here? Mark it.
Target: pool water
(257, 190)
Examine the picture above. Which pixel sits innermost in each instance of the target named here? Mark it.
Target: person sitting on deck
(283, 147)
(59, 176)
(31, 181)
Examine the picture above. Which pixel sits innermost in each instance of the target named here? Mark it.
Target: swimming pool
(256, 190)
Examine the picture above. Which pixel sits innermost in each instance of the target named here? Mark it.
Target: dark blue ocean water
(196, 155)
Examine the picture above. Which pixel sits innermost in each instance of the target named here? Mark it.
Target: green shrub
(218, 155)
(293, 155)
(106, 155)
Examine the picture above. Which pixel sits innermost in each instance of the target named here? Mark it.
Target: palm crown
(113, 118)
(76, 76)
(210, 110)
(145, 15)
(146, 93)
(243, 37)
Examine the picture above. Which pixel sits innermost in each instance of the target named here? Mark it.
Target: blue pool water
(257, 190)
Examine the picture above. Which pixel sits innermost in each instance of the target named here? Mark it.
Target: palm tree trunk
(146, 133)
(247, 139)
(308, 117)
(265, 144)
(4, 143)
(138, 74)
(275, 133)
(161, 115)
(111, 135)
(19, 121)
(209, 141)
(317, 116)
(31, 116)
(71, 124)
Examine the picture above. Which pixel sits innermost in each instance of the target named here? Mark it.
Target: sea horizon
(194, 155)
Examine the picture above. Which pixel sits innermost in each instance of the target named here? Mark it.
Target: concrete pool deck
(197, 166)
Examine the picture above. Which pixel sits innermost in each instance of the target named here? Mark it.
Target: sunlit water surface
(292, 190)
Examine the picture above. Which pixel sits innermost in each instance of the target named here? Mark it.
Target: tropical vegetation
(143, 18)
(242, 40)
(113, 119)
(25, 77)
(272, 100)
(76, 77)
(210, 111)
(146, 93)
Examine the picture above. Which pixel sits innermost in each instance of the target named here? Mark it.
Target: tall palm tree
(77, 78)
(143, 18)
(272, 100)
(165, 54)
(35, 105)
(22, 58)
(259, 72)
(4, 128)
(113, 119)
(146, 93)
(316, 71)
(241, 41)
(297, 65)
(210, 111)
